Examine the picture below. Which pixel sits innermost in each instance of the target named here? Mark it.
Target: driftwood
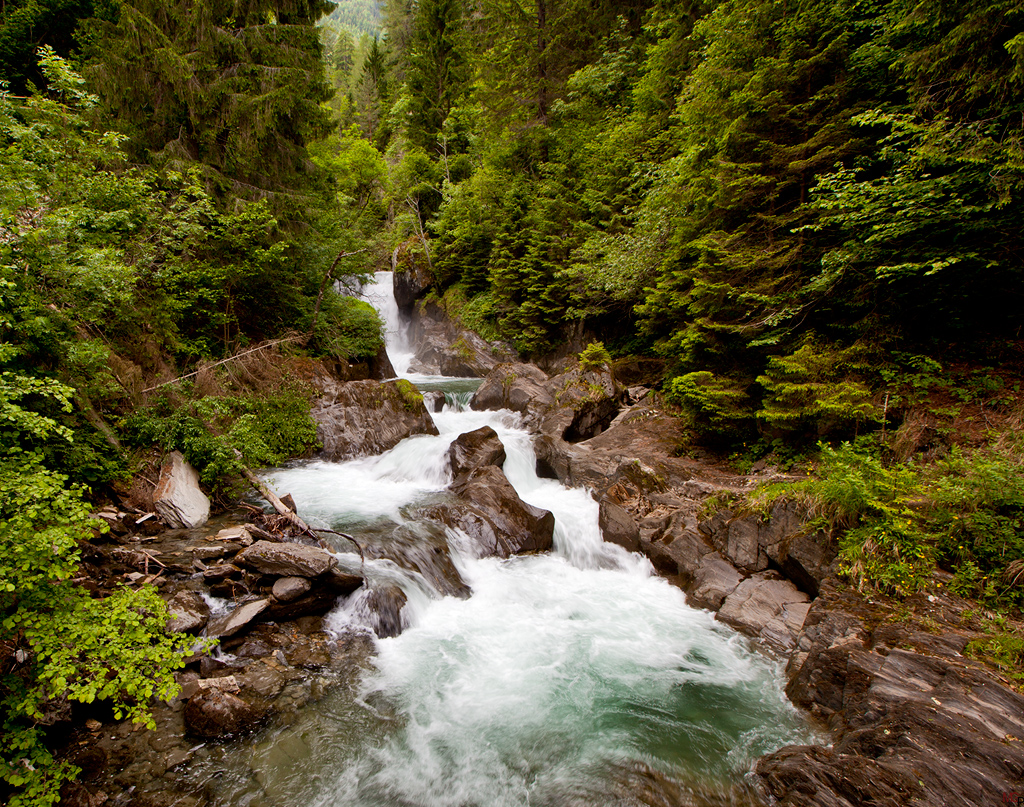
(292, 517)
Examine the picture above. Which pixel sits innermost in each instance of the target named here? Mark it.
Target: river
(575, 677)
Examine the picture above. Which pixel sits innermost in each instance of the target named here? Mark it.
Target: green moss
(412, 399)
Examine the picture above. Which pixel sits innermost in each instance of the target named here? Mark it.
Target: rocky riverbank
(911, 719)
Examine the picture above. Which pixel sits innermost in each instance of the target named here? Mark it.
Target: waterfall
(562, 676)
(381, 295)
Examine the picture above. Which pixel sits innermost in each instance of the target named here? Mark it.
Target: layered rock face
(361, 418)
(914, 721)
(444, 348)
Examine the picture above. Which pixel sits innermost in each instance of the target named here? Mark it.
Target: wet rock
(475, 449)
(223, 571)
(382, 609)
(518, 387)
(913, 722)
(286, 560)
(188, 611)
(618, 526)
(769, 608)
(494, 517)
(783, 540)
(434, 401)
(214, 713)
(321, 599)
(421, 546)
(178, 498)
(713, 581)
(238, 620)
(587, 402)
(238, 534)
(412, 277)
(443, 347)
(369, 417)
(290, 588)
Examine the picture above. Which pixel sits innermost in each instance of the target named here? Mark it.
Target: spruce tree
(234, 88)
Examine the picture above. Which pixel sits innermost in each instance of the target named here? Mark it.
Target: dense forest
(807, 212)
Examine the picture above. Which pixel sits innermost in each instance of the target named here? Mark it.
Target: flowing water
(559, 681)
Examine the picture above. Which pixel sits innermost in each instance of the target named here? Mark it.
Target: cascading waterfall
(559, 678)
(381, 295)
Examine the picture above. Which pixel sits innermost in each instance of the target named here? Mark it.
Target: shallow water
(575, 677)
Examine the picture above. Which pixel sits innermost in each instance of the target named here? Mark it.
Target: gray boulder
(188, 611)
(214, 712)
(475, 449)
(286, 560)
(490, 512)
(362, 418)
(519, 387)
(178, 498)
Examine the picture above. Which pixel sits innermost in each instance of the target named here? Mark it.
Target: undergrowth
(894, 522)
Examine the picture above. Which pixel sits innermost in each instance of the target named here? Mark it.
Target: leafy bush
(893, 523)
(267, 430)
(595, 356)
(348, 328)
(712, 405)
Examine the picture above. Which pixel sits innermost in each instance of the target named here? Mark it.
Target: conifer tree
(232, 87)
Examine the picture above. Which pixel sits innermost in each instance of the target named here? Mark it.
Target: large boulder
(618, 526)
(178, 498)
(214, 713)
(585, 404)
(783, 541)
(364, 418)
(188, 611)
(490, 512)
(769, 608)
(475, 449)
(519, 387)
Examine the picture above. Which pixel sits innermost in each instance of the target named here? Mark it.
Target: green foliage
(819, 387)
(348, 328)
(219, 89)
(894, 523)
(1004, 650)
(978, 524)
(882, 542)
(266, 430)
(713, 405)
(62, 643)
(595, 356)
(412, 399)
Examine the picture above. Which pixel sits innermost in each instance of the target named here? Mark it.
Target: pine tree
(234, 88)
(437, 75)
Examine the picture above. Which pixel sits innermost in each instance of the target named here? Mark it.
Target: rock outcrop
(444, 348)
(913, 721)
(178, 499)
(485, 506)
(362, 418)
(573, 406)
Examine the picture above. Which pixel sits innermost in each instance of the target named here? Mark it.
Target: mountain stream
(575, 677)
